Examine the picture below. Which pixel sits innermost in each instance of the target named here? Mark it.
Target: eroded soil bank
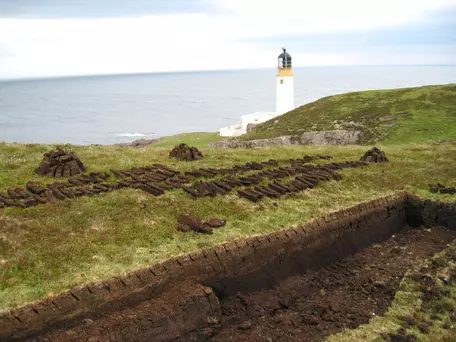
(302, 307)
(298, 284)
(317, 303)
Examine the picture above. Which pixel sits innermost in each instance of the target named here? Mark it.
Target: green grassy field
(395, 116)
(49, 248)
(52, 247)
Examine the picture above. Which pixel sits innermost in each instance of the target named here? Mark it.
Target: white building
(284, 99)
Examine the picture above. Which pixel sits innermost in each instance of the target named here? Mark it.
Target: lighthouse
(284, 100)
(285, 84)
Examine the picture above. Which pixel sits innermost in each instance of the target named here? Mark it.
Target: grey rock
(335, 137)
(386, 118)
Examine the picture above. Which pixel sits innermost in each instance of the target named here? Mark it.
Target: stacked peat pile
(374, 155)
(185, 152)
(188, 223)
(60, 163)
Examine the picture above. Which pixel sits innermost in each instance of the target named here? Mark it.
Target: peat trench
(320, 302)
(298, 284)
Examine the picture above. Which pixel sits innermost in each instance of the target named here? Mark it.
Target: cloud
(229, 34)
(96, 8)
(260, 18)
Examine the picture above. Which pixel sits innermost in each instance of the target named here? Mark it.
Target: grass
(50, 248)
(397, 116)
(199, 140)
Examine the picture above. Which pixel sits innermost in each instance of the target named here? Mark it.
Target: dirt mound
(375, 155)
(60, 163)
(185, 152)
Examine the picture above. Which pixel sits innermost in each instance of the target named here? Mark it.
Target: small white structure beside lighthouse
(284, 99)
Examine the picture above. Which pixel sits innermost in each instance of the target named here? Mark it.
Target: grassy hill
(50, 248)
(395, 116)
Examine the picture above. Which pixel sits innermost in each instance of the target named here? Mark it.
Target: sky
(43, 38)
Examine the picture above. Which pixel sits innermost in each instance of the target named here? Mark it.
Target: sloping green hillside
(393, 116)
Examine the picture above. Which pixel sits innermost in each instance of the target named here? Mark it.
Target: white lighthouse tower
(284, 100)
(285, 84)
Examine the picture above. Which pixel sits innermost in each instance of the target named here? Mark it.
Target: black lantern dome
(284, 59)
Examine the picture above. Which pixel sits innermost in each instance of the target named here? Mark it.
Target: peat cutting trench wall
(180, 299)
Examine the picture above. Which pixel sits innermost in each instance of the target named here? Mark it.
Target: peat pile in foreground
(185, 152)
(374, 155)
(440, 188)
(188, 223)
(60, 163)
(327, 300)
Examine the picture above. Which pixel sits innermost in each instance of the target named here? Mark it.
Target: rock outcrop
(139, 143)
(335, 137)
(60, 163)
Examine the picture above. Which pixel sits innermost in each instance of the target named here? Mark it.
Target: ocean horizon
(107, 109)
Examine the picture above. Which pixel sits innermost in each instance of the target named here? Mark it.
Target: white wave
(136, 134)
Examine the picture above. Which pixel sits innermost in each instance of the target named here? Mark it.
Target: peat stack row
(374, 155)
(60, 163)
(308, 178)
(276, 189)
(185, 152)
(251, 166)
(225, 185)
(152, 179)
(36, 193)
(212, 172)
(155, 179)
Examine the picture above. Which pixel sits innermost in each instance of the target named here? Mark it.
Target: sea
(123, 108)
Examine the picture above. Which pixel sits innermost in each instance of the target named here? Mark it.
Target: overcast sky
(77, 37)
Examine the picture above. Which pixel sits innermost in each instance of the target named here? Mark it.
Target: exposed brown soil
(324, 301)
(60, 163)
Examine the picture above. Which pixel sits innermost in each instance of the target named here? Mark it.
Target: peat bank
(299, 284)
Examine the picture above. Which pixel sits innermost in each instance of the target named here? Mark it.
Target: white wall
(285, 94)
